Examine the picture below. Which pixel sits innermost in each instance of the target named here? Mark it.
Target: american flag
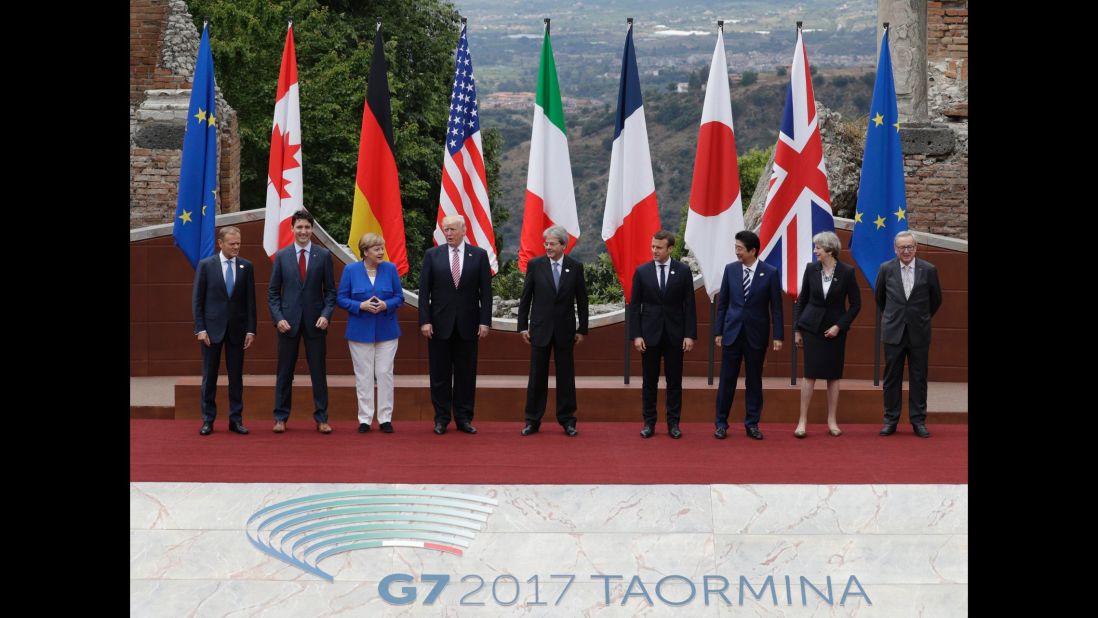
(464, 184)
(798, 204)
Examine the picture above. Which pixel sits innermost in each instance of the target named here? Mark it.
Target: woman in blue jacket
(370, 291)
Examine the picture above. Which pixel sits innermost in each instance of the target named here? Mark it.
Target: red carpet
(603, 453)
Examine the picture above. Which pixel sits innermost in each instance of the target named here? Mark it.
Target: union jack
(798, 204)
(464, 183)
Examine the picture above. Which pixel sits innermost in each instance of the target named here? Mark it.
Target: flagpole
(712, 341)
(793, 351)
(625, 371)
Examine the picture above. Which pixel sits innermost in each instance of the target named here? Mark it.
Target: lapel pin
(761, 275)
(672, 272)
(566, 270)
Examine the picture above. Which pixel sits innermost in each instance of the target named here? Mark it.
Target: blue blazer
(355, 287)
(753, 316)
(214, 311)
(299, 303)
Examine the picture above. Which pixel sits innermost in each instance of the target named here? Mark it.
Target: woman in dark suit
(825, 308)
(370, 291)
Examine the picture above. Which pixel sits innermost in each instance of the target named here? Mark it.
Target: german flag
(377, 188)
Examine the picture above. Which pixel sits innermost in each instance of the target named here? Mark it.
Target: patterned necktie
(301, 264)
(663, 279)
(556, 275)
(746, 281)
(909, 280)
(229, 282)
(455, 268)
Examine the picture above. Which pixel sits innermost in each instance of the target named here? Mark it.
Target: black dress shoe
(440, 428)
(467, 428)
(529, 429)
(921, 431)
(571, 431)
(648, 431)
(206, 429)
(386, 428)
(754, 433)
(363, 427)
(674, 432)
(888, 429)
(238, 428)
(720, 433)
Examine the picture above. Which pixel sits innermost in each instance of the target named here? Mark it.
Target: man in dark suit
(908, 295)
(223, 304)
(554, 287)
(455, 311)
(663, 325)
(302, 297)
(751, 293)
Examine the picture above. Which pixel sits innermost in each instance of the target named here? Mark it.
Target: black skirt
(823, 357)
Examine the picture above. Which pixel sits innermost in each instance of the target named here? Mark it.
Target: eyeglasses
(905, 247)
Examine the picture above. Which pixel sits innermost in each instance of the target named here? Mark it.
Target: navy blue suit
(226, 320)
(744, 327)
(455, 316)
(301, 304)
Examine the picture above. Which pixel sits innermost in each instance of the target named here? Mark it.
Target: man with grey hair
(455, 311)
(908, 295)
(553, 294)
(223, 304)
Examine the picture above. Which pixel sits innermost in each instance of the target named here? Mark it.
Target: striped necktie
(746, 281)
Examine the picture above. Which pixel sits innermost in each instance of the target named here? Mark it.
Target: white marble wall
(907, 545)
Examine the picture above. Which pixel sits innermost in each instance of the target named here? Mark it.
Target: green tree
(748, 78)
(751, 165)
(333, 40)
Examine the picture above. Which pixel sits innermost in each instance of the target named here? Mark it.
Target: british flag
(464, 183)
(798, 204)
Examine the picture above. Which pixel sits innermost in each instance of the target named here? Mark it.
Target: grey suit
(905, 332)
(301, 303)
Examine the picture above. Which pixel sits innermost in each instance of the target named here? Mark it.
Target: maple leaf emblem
(282, 158)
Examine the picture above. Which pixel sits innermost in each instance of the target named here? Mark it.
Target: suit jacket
(355, 287)
(651, 313)
(464, 308)
(915, 312)
(753, 317)
(553, 314)
(301, 304)
(214, 310)
(816, 312)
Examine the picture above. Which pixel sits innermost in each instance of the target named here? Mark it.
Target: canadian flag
(284, 178)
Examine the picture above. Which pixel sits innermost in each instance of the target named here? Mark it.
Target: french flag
(631, 217)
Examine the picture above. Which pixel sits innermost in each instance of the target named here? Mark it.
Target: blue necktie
(663, 279)
(556, 275)
(746, 281)
(229, 277)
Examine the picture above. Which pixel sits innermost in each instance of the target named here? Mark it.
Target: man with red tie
(302, 297)
(455, 312)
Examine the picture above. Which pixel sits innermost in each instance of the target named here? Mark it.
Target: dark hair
(665, 235)
(750, 240)
(301, 214)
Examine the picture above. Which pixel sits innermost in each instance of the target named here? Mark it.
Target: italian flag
(550, 198)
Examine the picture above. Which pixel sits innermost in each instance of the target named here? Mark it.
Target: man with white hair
(908, 295)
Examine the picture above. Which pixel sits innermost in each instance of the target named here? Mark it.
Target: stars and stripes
(464, 182)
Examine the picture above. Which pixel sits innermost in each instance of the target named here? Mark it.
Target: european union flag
(882, 206)
(196, 206)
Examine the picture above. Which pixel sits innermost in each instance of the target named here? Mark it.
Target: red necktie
(301, 265)
(455, 269)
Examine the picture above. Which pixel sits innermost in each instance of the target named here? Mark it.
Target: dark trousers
(316, 349)
(731, 355)
(537, 389)
(453, 366)
(234, 367)
(918, 359)
(671, 353)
